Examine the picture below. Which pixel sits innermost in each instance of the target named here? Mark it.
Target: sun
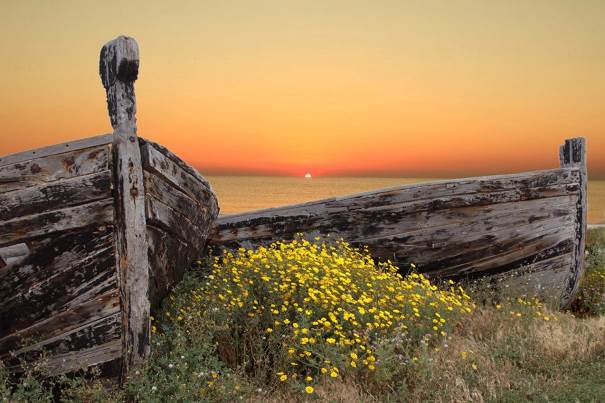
(308, 175)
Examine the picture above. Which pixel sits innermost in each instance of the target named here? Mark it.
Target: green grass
(507, 352)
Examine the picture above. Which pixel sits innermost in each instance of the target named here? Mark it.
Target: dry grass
(498, 357)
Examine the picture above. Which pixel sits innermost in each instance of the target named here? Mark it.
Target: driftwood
(523, 229)
(93, 234)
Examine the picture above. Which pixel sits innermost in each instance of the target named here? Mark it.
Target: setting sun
(308, 175)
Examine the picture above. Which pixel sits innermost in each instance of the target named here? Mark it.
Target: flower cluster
(315, 309)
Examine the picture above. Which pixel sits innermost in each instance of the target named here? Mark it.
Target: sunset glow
(347, 87)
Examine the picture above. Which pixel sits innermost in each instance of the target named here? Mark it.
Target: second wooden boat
(524, 232)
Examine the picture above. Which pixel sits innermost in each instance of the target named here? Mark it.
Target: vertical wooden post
(119, 64)
(572, 154)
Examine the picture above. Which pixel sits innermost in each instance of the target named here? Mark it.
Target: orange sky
(410, 88)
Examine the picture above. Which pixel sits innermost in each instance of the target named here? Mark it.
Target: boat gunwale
(54, 149)
(226, 218)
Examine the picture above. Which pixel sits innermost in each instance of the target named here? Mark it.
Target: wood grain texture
(22, 228)
(195, 211)
(119, 69)
(163, 166)
(54, 297)
(545, 279)
(489, 187)
(62, 271)
(68, 330)
(178, 225)
(55, 195)
(84, 358)
(89, 142)
(175, 159)
(41, 171)
(572, 154)
(180, 209)
(169, 258)
(131, 250)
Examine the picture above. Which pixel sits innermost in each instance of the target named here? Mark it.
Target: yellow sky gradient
(407, 88)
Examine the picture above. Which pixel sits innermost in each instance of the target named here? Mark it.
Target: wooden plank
(471, 221)
(157, 163)
(61, 326)
(73, 360)
(457, 240)
(440, 247)
(502, 257)
(573, 155)
(174, 223)
(63, 271)
(197, 213)
(545, 279)
(40, 171)
(61, 148)
(55, 195)
(169, 259)
(363, 223)
(547, 179)
(174, 158)
(22, 228)
(177, 229)
(93, 333)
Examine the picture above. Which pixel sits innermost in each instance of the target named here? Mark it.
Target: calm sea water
(244, 193)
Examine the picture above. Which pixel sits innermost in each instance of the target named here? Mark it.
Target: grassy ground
(508, 351)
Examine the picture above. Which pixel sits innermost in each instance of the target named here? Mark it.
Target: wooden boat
(524, 231)
(93, 233)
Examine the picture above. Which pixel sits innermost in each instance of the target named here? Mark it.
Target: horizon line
(369, 175)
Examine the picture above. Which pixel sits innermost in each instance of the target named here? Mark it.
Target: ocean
(244, 193)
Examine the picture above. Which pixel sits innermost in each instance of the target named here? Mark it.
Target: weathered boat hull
(527, 228)
(62, 287)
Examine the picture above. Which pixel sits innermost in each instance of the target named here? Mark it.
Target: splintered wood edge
(24, 156)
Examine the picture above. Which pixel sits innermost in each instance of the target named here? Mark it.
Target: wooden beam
(119, 63)
(572, 154)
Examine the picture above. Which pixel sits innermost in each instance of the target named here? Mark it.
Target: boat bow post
(572, 154)
(118, 68)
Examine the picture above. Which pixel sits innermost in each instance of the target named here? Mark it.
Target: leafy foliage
(590, 300)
